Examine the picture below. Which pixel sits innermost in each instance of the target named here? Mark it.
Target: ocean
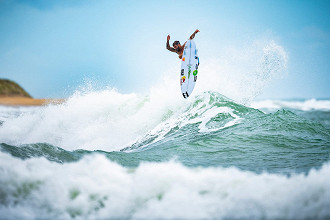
(220, 154)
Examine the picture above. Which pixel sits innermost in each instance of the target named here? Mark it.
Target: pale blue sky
(51, 47)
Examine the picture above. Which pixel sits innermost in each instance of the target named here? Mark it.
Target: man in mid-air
(177, 48)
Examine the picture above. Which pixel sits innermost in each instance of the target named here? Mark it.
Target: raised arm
(168, 44)
(193, 35)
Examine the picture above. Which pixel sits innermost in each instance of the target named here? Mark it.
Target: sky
(52, 48)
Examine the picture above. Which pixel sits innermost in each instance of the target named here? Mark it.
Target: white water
(241, 74)
(95, 187)
(109, 120)
(307, 105)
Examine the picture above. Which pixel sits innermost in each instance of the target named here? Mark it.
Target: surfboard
(189, 68)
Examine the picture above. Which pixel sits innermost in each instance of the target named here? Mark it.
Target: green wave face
(216, 131)
(277, 142)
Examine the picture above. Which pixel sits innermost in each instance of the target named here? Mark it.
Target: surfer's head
(176, 44)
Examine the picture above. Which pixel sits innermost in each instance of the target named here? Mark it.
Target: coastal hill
(12, 94)
(9, 88)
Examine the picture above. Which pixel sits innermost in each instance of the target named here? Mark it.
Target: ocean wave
(96, 188)
(108, 120)
(96, 120)
(305, 105)
(209, 112)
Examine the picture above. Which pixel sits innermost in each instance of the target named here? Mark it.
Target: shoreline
(24, 101)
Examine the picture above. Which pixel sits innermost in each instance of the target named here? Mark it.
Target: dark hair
(176, 43)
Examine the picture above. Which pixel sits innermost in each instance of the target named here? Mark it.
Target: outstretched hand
(168, 37)
(193, 35)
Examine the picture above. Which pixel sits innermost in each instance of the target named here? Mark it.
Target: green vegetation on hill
(10, 88)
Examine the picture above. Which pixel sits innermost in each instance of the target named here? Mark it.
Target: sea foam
(95, 187)
(306, 105)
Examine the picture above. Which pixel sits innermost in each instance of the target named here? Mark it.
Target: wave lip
(209, 111)
(37, 188)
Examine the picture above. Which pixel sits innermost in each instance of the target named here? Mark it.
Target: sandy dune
(23, 101)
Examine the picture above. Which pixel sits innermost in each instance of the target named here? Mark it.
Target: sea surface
(220, 154)
(207, 158)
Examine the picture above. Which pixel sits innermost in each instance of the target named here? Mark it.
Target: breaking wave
(98, 188)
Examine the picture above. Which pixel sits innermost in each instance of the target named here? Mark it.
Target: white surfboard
(189, 68)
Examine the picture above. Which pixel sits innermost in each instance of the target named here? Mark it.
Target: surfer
(177, 48)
